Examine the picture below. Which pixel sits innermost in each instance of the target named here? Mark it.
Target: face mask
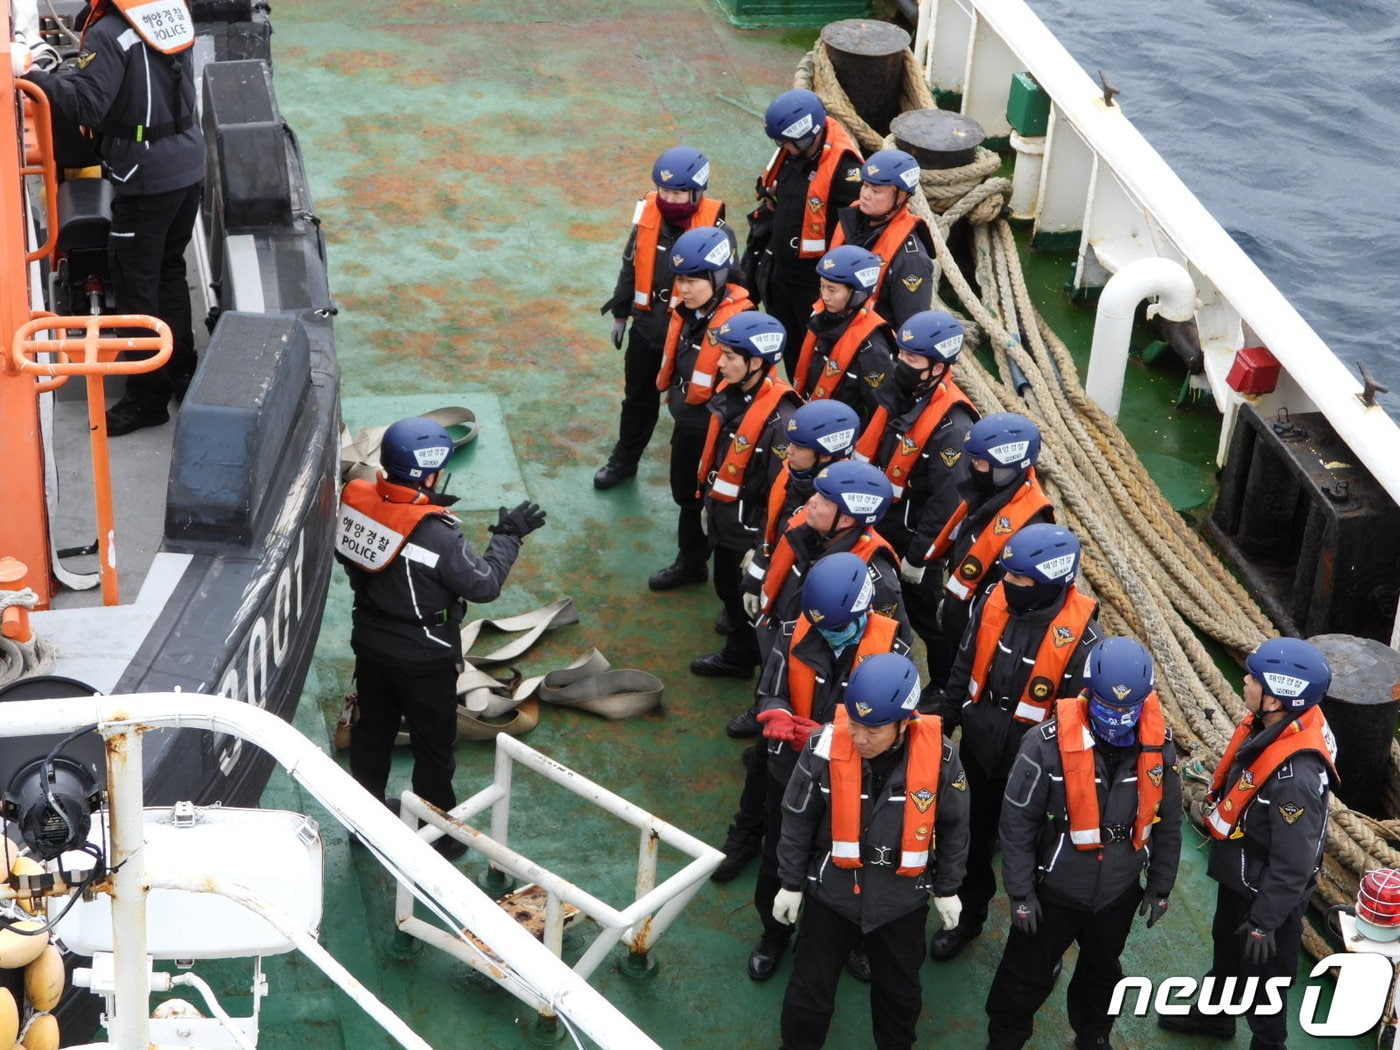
(676, 213)
(840, 638)
(908, 379)
(1115, 726)
(805, 475)
(1026, 599)
(981, 482)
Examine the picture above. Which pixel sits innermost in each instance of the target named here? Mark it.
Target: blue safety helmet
(883, 688)
(413, 448)
(932, 334)
(1045, 553)
(795, 116)
(682, 168)
(837, 590)
(1292, 671)
(856, 268)
(1119, 672)
(827, 427)
(891, 167)
(705, 250)
(1008, 441)
(859, 489)
(754, 333)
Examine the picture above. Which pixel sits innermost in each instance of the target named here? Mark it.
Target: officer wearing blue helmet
(1266, 813)
(412, 573)
(1025, 645)
(882, 222)
(1093, 805)
(819, 434)
(814, 173)
(848, 350)
(702, 260)
(875, 822)
(744, 451)
(643, 293)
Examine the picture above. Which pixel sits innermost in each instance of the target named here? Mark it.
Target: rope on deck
(1154, 577)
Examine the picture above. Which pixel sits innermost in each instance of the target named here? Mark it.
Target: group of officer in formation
(847, 498)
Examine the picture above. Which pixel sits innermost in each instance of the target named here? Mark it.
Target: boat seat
(84, 215)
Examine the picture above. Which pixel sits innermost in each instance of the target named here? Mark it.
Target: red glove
(787, 727)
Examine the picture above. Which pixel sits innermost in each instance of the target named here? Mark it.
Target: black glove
(1154, 908)
(1025, 914)
(1259, 945)
(520, 521)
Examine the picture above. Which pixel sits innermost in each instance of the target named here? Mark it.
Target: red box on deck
(1255, 371)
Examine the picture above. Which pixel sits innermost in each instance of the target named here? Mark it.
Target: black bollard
(938, 138)
(868, 57)
(1361, 708)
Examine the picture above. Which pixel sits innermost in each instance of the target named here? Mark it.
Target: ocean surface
(1283, 117)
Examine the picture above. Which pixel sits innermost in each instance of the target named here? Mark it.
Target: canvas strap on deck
(359, 455)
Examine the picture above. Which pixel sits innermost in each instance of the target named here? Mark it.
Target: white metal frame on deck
(520, 963)
(1102, 179)
(638, 925)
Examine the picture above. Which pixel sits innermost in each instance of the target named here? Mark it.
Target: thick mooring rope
(1153, 576)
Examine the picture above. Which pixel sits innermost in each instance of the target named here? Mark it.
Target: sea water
(1281, 116)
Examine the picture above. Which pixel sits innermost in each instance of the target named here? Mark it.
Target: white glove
(45, 57)
(20, 59)
(753, 604)
(745, 562)
(787, 904)
(909, 572)
(949, 910)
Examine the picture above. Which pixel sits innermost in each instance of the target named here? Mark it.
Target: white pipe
(1025, 178)
(131, 1029)
(1113, 324)
(406, 855)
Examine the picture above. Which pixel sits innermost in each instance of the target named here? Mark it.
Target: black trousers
(979, 884)
(1026, 975)
(1231, 912)
(641, 401)
(921, 601)
(789, 297)
(427, 700)
(766, 886)
(146, 253)
(824, 939)
(740, 644)
(687, 446)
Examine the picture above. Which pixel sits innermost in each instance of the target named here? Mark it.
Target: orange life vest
(836, 143)
(1030, 500)
(925, 763)
(1061, 637)
(839, 360)
(906, 453)
(702, 377)
(1077, 762)
(376, 518)
(891, 240)
(728, 478)
(784, 557)
(879, 636)
(649, 223)
(1308, 732)
(777, 496)
(165, 25)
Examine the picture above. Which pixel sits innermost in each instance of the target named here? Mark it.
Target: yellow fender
(9, 1018)
(18, 949)
(43, 980)
(42, 1033)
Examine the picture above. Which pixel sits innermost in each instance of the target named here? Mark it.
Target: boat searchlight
(52, 800)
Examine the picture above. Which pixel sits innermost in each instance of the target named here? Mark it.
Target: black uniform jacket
(1036, 852)
(1275, 861)
(909, 275)
(738, 524)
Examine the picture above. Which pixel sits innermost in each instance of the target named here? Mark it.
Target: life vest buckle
(1115, 833)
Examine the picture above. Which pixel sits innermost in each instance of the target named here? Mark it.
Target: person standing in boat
(1092, 805)
(643, 293)
(812, 176)
(1000, 496)
(881, 222)
(848, 350)
(875, 821)
(1266, 813)
(412, 573)
(916, 437)
(132, 87)
(702, 260)
(1025, 645)
(745, 446)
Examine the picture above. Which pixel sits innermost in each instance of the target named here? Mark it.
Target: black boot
(739, 848)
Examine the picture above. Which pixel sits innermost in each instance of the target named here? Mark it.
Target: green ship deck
(475, 166)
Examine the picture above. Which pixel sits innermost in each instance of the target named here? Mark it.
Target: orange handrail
(43, 130)
(93, 356)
